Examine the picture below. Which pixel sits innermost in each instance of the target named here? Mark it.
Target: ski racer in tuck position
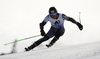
(57, 27)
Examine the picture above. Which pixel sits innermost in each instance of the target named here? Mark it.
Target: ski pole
(79, 17)
(22, 39)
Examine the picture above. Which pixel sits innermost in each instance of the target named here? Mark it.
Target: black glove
(80, 26)
(42, 32)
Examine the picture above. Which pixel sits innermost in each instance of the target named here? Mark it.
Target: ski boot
(31, 47)
(27, 49)
(48, 45)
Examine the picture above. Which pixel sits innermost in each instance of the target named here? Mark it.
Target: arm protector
(72, 20)
(42, 25)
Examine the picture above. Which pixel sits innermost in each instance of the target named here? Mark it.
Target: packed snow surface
(80, 51)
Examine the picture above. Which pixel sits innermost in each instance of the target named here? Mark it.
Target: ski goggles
(54, 14)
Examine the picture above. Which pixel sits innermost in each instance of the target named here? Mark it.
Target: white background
(20, 19)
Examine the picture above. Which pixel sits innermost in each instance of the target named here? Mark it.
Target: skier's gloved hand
(80, 26)
(42, 32)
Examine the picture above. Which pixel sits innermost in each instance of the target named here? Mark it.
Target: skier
(57, 27)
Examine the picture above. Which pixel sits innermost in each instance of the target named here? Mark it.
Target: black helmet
(52, 10)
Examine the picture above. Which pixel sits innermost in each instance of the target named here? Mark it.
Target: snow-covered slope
(82, 51)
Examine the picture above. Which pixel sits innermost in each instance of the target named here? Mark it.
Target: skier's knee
(57, 37)
(45, 38)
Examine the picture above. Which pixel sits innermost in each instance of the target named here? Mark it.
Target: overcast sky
(20, 19)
